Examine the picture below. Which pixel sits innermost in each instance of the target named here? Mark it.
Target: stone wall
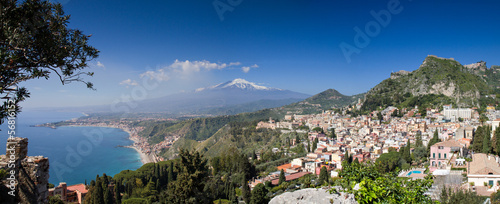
(31, 172)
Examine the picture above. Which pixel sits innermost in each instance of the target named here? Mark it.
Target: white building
(454, 114)
(484, 169)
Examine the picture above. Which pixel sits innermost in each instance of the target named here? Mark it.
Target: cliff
(26, 179)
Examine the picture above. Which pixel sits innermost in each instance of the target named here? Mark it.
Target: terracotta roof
(78, 187)
(284, 166)
(482, 165)
(291, 177)
(449, 143)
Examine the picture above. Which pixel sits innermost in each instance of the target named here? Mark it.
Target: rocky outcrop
(313, 195)
(30, 178)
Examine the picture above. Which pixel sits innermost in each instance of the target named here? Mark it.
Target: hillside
(436, 82)
(325, 100)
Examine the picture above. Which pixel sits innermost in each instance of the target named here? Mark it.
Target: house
(442, 152)
(290, 177)
(71, 194)
(484, 169)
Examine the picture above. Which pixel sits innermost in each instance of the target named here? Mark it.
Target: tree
(193, 172)
(170, 173)
(308, 145)
(315, 144)
(459, 196)
(497, 136)
(118, 196)
(418, 140)
(297, 139)
(35, 42)
(245, 192)
(259, 194)
(388, 162)
(323, 175)
(477, 140)
(406, 153)
(108, 198)
(486, 141)
(318, 130)
(333, 135)
(435, 139)
(379, 116)
(282, 177)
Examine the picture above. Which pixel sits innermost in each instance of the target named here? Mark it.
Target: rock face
(437, 81)
(31, 174)
(313, 195)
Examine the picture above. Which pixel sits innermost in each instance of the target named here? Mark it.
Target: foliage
(35, 41)
(259, 194)
(193, 172)
(389, 162)
(376, 187)
(55, 199)
(459, 196)
(323, 176)
(282, 177)
(481, 139)
(414, 89)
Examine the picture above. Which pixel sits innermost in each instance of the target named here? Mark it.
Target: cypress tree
(107, 196)
(418, 140)
(407, 152)
(282, 177)
(323, 176)
(308, 146)
(497, 135)
(245, 192)
(98, 194)
(333, 135)
(477, 140)
(171, 176)
(486, 142)
(118, 196)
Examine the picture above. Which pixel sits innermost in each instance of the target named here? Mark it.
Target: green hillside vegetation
(438, 81)
(326, 100)
(200, 129)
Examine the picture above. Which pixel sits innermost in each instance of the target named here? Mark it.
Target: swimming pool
(414, 172)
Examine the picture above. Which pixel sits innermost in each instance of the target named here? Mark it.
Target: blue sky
(293, 45)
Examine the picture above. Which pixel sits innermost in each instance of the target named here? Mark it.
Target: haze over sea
(75, 153)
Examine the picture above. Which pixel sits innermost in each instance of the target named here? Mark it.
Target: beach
(138, 145)
(145, 158)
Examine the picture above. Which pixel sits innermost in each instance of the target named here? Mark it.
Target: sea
(76, 154)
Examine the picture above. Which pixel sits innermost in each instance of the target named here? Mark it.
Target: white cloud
(247, 69)
(99, 64)
(185, 68)
(159, 75)
(129, 82)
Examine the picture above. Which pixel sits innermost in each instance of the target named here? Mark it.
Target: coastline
(145, 157)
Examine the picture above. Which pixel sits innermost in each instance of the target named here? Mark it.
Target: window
(433, 163)
(433, 155)
(445, 155)
(490, 182)
(440, 147)
(439, 155)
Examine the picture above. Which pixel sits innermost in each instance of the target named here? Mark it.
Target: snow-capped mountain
(239, 84)
(229, 94)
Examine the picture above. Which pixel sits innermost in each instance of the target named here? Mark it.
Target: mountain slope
(229, 94)
(325, 100)
(437, 81)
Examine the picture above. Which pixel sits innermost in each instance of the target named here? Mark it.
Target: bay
(76, 154)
